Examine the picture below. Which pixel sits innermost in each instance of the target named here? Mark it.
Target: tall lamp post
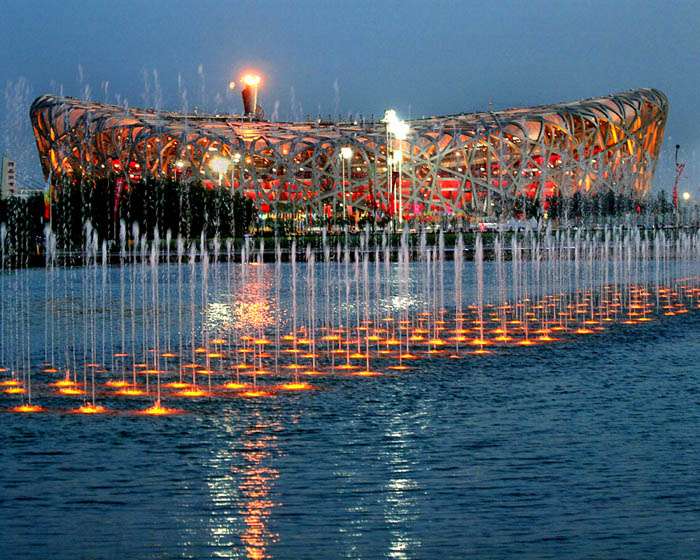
(234, 160)
(398, 130)
(345, 155)
(400, 133)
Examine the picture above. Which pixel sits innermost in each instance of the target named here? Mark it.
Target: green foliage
(186, 209)
(23, 219)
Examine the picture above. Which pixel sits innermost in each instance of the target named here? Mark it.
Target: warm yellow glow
(526, 342)
(27, 408)
(116, 383)
(158, 410)
(176, 385)
(253, 393)
(479, 342)
(131, 392)
(297, 386)
(71, 391)
(366, 373)
(235, 385)
(90, 409)
(193, 392)
(251, 79)
(10, 383)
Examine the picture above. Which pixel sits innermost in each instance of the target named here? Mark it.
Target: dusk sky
(361, 56)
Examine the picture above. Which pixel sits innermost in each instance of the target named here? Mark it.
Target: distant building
(8, 184)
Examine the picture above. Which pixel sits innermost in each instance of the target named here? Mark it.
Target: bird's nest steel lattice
(457, 164)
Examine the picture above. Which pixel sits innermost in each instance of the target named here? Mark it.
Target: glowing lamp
(219, 165)
(251, 79)
(686, 196)
(390, 117)
(346, 152)
(400, 130)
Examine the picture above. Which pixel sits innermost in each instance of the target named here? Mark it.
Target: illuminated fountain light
(296, 386)
(27, 408)
(176, 385)
(235, 385)
(366, 373)
(255, 393)
(71, 391)
(192, 391)
(90, 408)
(157, 409)
(10, 383)
(131, 391)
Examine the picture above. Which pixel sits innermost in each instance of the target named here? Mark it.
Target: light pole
(397, 129)
(400, 133)
(234, 160)
(345, 155)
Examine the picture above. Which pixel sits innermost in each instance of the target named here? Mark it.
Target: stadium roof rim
(634, 97)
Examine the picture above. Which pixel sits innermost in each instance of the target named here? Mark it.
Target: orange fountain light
(235, 385)
(131, 392)
(90, 409)
(297, 386)
(254, 393)
(115, 383)
(159, 410)
(28, 408)
(10, 383)
(193, 392)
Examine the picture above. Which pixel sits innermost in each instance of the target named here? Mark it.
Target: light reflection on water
(401, 505)
(243, 491)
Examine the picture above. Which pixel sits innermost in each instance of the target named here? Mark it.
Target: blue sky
(428, 57)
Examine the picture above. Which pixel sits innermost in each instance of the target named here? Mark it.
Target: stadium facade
(464, 164)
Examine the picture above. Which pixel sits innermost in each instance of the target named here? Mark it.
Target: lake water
(583, 449)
